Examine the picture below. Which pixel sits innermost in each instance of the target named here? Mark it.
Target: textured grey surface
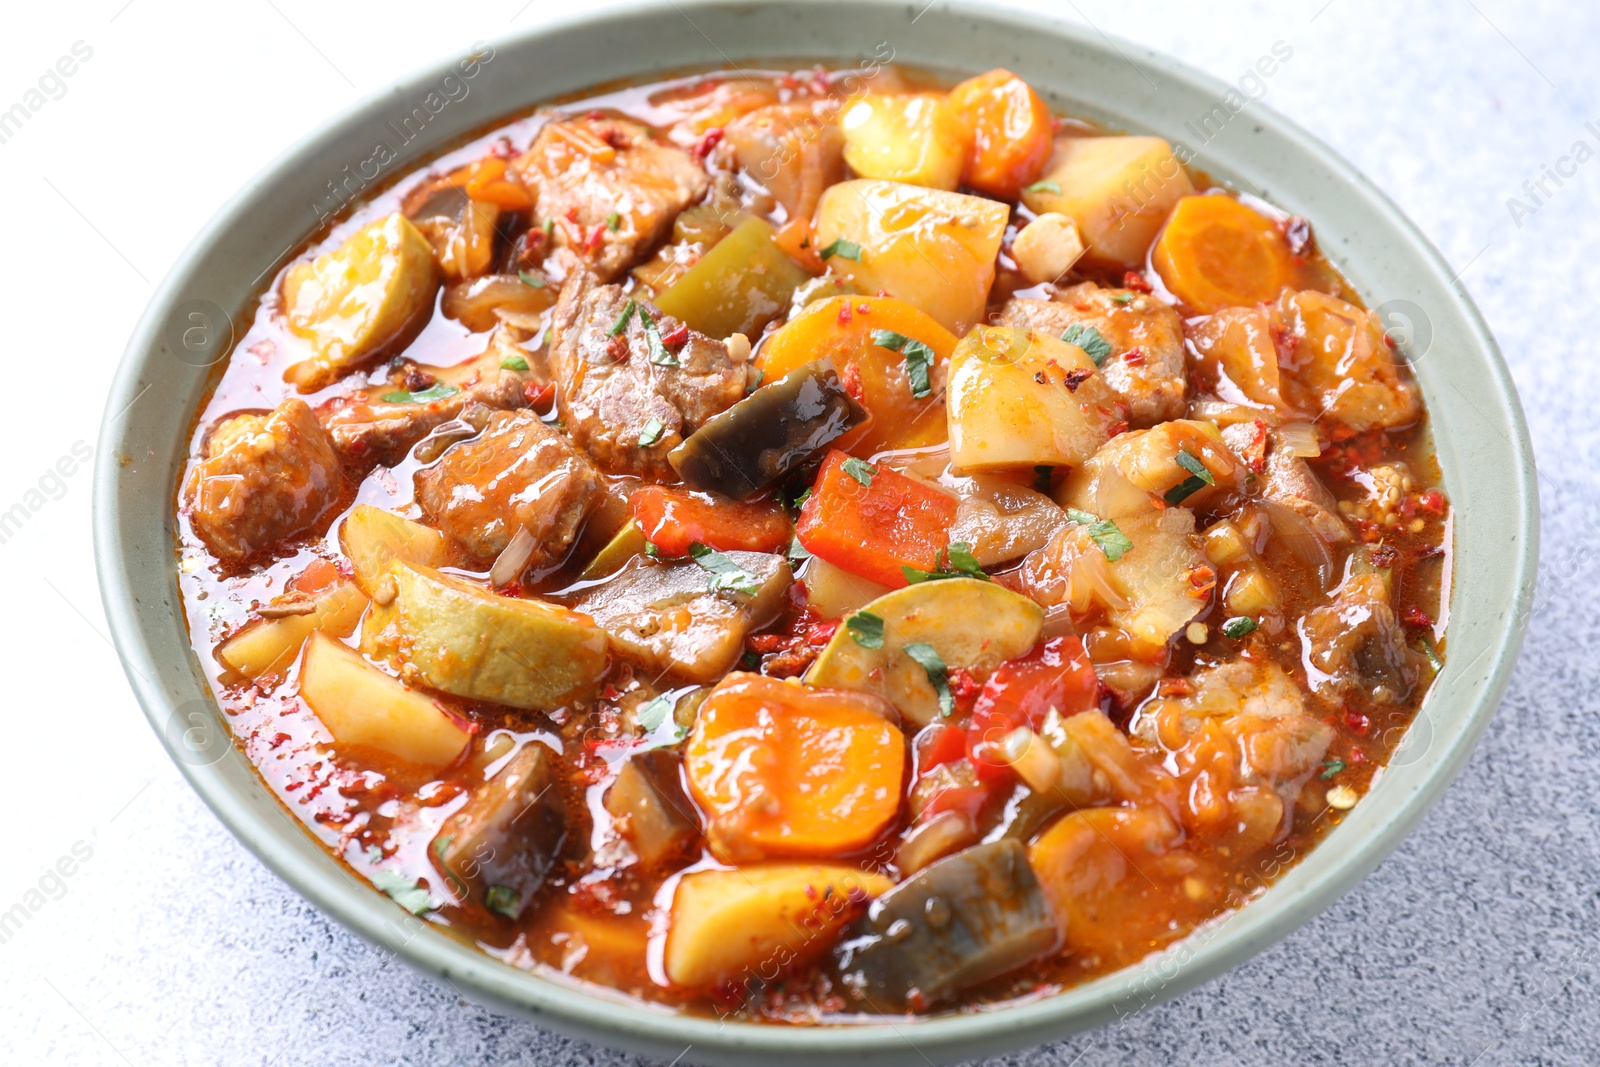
(1475, 943)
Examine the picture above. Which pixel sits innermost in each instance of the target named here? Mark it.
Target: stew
(799, 546)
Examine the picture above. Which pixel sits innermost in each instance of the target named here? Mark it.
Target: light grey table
(1476, 943)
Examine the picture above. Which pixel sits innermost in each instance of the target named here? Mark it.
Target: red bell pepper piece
(871, 521)
(1053, 674)
(674, 518)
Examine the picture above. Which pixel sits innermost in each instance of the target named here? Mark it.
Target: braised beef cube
(957, 922)
(263, 478)
(519, 474)
(649, 805)
(498, 848)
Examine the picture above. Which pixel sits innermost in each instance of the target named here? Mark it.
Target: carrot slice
(1215, 252)
(871, 521)
(673, 519)
(842, 329)
(787, 770)
(1009, 129)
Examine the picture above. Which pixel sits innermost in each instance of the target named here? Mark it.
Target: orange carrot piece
(1009, 128)
(673, 519)
(872, 521)
(1215, 252)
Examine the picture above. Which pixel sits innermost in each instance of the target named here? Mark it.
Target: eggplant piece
(769, 433)
(649, 805)
(960, 921)
(498, 848)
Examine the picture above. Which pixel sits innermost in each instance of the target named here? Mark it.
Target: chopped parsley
(725, 573)
(1238, 627)
(549, 226)
(1089, 339)
(844, 249)
(403, 891)
(956, 561)
(622, 319)
(1122, 298)
(653, 714)
(750, 661)
(1103, 532)
(659, 355)
(755, 383)
(927, 657)
(800, 499)
(436, 391)
(1332, 767)
(652, 432)
(513, 363)
(860, 470)
(866, 628)
(1049, 185)
(1198, 479)
(613, 222)
(503, 900)
(533, 281)
(798, 552)
(919, 358)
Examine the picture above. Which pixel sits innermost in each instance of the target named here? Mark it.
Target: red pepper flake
(1175, 687)
(1134, 357)
(1367, 532)
(1432, 502)
(1041, 378)
(1076, 378)
(963, 687)
(676, 337)
(1384, 556)
(820, 633)
(610, 692)
(617, 348)
(1357, 756)
(1117, 428)
(850, 379)
(844, 314)
(596, 235)
(1408, 507)
(539, 396)
(1357, 722)
(865, 308)
(702, 148)
(572, 214)
(1136, 281)
(1416, 618)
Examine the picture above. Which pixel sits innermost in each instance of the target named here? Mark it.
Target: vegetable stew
(808, 545)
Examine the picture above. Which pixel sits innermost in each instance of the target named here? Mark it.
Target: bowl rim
(591, 1011)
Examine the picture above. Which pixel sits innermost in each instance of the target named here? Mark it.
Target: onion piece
(513, 558)
(946, 832)
(1301, 539)
(1035, 762)
(1091, 580)
(1300, 439)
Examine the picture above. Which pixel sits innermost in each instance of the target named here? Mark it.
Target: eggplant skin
(769, 433)
(958, 922)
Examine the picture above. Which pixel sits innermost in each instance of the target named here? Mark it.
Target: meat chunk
(498, 848)
(1287, 479)
(263, 478)
(615, 396)
(586, 170)
(1341, 364)
(1356, 644)
(368, 430)
(796, 150)
(1146, 365)
(518, 474)
(666, 617)
(1242, 744)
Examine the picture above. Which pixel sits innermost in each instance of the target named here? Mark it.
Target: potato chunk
(1117, 190)
(904, 137)
(1019, 399)
(269, 646)
(361, 705)
(741, 925)
(465, 640)
(373, 538)
(351, 302)
(1047, 247)
(933, 249)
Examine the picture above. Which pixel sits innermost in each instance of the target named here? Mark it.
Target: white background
(1476, 943)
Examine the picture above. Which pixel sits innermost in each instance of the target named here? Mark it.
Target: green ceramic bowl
(1478, 428)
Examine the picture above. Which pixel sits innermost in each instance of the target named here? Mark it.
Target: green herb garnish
(1238, 627)
(533, 281)
(1049, 185)
(503, 900)
(1103, 532)
(844, 249)
(927, 657)
(549, 226)
(919, 358)
(1122, 298)
(800, 500)
(955, 561)
(1198, 479)
(403, 891)
(436, 391)
(798, 553)
(613, 222)
(725, 573)
(652, 432)
(622, 319)
(755, 383)
(860, 470)
(658, 351)
(1089, 339)
(1332, 767)
(513, 363)
(653, 714)
(866, 628)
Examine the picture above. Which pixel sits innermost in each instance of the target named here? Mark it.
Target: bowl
(1477, 426)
